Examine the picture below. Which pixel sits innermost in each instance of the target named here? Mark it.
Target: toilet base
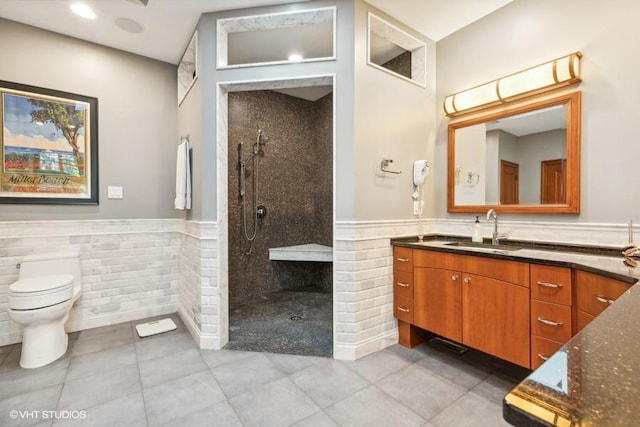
(43, 344)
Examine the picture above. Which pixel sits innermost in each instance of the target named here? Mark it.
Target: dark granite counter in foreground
(594, 379)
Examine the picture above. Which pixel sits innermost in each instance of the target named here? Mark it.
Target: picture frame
(48, 146)
(188, 68)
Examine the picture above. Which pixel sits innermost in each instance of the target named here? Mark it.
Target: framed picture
(49, 146)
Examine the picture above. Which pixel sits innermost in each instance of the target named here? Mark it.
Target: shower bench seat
(308, 252)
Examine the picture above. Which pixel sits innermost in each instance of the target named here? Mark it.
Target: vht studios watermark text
(47, 415)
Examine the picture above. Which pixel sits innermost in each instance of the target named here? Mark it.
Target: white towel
(183, 177)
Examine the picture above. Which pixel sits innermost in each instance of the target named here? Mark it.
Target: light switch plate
(114, 192)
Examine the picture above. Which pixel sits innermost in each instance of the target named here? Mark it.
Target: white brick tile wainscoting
(203, 301)
(134, 269)
(129, 268)
(363, 319)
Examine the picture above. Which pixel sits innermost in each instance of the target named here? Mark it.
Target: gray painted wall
(393, 119)
(137, 119)
(529, 32)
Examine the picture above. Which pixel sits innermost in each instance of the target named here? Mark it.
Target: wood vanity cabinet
(495, 312)
(518, 311)
(593, 295)
(551, 311)
(438, 293)
(403, 296)
(479, 302)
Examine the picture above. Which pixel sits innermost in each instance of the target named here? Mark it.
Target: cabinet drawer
(507, 271)
(541, 350)
(432, 259)
(552, 284)
(595, 293)
(402, 259)
(551, 321)
(403, 309)
(403, 284)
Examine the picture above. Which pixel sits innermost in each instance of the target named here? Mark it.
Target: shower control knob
(261, 211)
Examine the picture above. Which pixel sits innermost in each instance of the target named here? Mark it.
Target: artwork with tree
(67, 118)
(48, 146)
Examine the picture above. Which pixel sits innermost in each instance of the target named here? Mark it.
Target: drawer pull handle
(549, 322)
(454, 277)
(402, 259)
(404, 310)
(543, 357)
(550, 285)
(467, 280)
(404, 285)
(602, 299)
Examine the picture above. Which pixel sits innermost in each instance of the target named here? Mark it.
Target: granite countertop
(594, 379)
(600, 260)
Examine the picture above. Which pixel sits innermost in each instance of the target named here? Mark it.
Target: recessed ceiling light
(83, 10)
(295, 57)
(129, 25)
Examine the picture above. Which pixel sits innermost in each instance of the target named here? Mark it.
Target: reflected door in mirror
(522, 159)
(552, 181)
(509, 189)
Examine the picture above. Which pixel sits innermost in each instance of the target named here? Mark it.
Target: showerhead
(262, 137)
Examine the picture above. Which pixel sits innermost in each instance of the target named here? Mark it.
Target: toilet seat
(42, 291)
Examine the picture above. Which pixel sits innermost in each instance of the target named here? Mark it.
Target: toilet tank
(47, 264)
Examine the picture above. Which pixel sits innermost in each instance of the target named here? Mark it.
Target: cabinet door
(437, 302)
(595, 293)
(582, 320)
(495, 318)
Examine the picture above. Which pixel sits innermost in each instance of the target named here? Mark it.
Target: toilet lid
(41, 284)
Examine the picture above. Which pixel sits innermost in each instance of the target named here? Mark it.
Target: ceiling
(168, 24)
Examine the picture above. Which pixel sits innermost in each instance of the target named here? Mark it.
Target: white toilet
(41, 299)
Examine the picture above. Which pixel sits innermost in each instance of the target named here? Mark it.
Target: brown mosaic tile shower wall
(401, 64)
(294, 184)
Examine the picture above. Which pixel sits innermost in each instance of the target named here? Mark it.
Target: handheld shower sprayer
(260, 211)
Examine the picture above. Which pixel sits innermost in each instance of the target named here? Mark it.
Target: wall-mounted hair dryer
(420, 172)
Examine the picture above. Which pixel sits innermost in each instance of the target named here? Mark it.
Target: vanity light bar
(551, 75)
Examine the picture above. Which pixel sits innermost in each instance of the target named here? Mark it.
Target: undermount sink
(486, 246)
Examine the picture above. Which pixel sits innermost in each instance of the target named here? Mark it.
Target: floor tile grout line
(401, 403)
(64, 381)
(226, 397)
(106, 401)
(144, 401)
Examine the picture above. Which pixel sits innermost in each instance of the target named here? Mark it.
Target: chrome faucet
(495, 237)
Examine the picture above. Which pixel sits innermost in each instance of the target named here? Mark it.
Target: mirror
(394, 51)
(522, 159)
(306, 35)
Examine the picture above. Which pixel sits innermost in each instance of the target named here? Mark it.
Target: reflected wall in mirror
(394, 51)
(522, 159)
(305, 35)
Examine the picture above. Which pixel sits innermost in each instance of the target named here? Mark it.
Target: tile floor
(111, 377)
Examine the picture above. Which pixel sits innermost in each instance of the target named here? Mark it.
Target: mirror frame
(573, 101)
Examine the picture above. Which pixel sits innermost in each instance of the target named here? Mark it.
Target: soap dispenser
(476, 236)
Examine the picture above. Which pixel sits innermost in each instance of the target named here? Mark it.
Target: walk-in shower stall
(280, 195)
